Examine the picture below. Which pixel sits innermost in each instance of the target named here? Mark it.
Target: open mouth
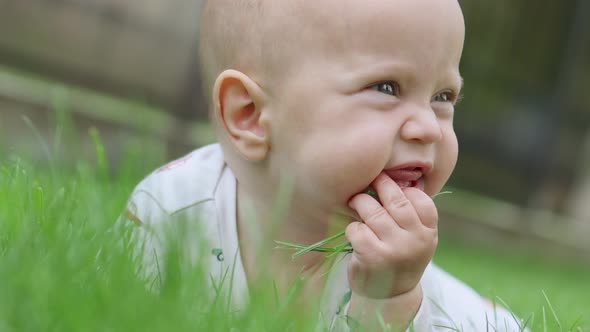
(407, 177)
(418, 183)
(407, 184)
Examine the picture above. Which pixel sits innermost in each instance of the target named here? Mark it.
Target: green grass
(521, 280)
(65, 267)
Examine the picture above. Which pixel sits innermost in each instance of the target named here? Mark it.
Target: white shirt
(195, 197)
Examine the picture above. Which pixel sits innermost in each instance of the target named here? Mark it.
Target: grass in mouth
(321, 246)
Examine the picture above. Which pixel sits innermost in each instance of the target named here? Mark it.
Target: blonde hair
(263, 38)
(241, 35)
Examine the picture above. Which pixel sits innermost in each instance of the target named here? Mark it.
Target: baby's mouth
(401, 183)
(407, 184)
(407, 177)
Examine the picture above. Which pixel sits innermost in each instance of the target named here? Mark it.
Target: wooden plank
(118, 119)
(471, 217)
(144, 50)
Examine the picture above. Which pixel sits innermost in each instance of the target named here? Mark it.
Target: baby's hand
(394, 243)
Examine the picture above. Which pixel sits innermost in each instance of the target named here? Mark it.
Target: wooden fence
(143, 49)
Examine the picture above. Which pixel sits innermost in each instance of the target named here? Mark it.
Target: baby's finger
(424, 206)
(374, 215)
(396, 203)
(361, 237)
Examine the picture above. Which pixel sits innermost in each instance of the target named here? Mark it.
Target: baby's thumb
(424, 206)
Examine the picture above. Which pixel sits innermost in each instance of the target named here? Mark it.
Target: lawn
(522, 281)
(64, 269)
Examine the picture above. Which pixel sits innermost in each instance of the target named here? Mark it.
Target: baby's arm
(392, 247)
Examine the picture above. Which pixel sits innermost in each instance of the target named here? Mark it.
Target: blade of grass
(527, 322)
(344, 247)
(552, 310)
(518, 322)
(441, 193)
(319, 246)
(41, 140)
(544, 319)
(331, 250)
(385, 327)
(101, 160)
(575, 324)
(312, 247)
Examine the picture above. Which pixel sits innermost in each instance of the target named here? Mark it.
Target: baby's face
(376, 95)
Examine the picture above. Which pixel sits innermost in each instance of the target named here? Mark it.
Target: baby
(313, 103)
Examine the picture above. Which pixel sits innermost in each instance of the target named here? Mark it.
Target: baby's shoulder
(183, 182)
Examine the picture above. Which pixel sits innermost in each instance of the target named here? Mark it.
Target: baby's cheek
(343, 170)
(444, 164)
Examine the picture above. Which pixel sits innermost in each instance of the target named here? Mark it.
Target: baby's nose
(422, 126)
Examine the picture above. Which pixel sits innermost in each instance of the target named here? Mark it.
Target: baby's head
(333, 92)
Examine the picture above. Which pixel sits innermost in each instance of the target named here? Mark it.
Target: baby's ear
(238, 106)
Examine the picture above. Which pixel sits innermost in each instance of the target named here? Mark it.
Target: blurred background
(129, 68)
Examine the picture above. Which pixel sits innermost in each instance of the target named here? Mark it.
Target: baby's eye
(390, 88)
(444, 97)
